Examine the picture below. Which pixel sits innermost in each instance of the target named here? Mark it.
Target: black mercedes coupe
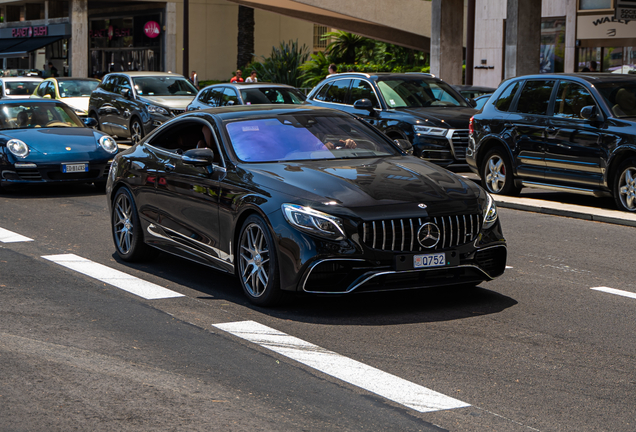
(296, 198)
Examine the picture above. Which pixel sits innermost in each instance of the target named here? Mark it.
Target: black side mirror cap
(125, 93)
(405, 145)
(363, 104)
(90, 122)
(590, 113)
(472, 103)
(199, 157)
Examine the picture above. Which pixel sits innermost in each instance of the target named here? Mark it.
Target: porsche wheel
(625, 186)
(496, 173)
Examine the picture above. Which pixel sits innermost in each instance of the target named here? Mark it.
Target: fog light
(25, 165)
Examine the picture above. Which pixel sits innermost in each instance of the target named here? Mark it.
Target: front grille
(29, 174)
(401, 234)
(176, 112)
(460, 143)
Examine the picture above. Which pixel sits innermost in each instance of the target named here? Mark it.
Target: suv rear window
(535, 97)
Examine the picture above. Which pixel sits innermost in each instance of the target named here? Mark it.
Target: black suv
(131, 104)
(416, 107)
(565, 132)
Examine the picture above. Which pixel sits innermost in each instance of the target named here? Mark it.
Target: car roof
(238, 111)
(246, 85)
(147, 74)
(593, 77)
(21, 78)
(377, 75)
(473, 87)
(71, 79)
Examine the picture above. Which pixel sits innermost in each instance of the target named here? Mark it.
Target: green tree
(245, 36)
(345, 46)
(283, 64)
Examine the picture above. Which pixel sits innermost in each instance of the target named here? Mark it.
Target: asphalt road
(536, 349)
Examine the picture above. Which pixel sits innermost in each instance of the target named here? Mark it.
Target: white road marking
(616, 291)
(353, 372)
(113, 277)
(7, 236)
(508, 267)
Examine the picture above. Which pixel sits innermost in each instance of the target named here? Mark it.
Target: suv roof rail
(350, 73)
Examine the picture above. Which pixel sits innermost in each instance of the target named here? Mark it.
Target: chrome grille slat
(373, 235)
(403, 234)
(412, 234)
(383, 235)
(393, 232)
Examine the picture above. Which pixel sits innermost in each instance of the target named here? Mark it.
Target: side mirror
(363, 104)
(199, 157)
(405, 145)
(590, 113)
(125, 93)
(46, 96)
(90, 122)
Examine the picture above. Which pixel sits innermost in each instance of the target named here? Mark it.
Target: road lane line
(121, 280)
(7, 236)
(353, 372)
(616, 291)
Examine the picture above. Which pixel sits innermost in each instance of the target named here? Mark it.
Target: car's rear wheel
(258, 263)
(126, 228)
(496, 173)
(136, 131)
(625, 186)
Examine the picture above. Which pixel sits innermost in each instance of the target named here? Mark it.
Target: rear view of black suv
(419, 108)
(565, 132)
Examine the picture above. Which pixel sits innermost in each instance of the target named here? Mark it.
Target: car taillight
(471, 130)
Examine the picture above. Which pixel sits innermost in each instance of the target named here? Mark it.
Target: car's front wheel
(258, 263)
(126, 228)
(136, 131)
(625, 186)
(496, 173)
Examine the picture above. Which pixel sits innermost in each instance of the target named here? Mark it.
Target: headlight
(490, 212)
(426, 130)
(154, 109)
(18, 148)
(313, 222)
(108, 144)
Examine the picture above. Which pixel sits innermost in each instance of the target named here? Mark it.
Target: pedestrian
(237, 77)
(252, 78)
(53, 70)
(333, 69)
(45, 72)
(194, 79)
(593, 66)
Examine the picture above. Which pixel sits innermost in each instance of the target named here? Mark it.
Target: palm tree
(344, 47)
(245, 36)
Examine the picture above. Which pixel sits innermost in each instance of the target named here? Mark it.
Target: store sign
(625, 9)
(110, 32)
(24, 32)
(604, 27)
(152, 29)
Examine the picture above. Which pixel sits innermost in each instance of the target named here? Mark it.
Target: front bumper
(445, 150)
(49, 173)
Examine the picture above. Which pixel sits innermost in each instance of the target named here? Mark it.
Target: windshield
(418, 92)
(271, 95)
(620, 96)
(163, 86)
(19, 88)
(76, 88)
(305, 137)
(37, 115)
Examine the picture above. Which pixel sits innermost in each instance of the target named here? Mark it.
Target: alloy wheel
(496, 174)
(123, 225)
(137, 132)
(627, 188)
(254, 260)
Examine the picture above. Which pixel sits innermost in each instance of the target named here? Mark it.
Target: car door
(187, 197)
(574, 153)
(527, 125)
(362, 89)
(124, 106)
(103, 101)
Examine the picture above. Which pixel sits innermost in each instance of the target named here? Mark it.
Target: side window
(570, 99)
(215, 97)
(535, 97)
(337, 93)
(109, 83)
(41, 88)
(322, 93)
(124, 83)
(203, 96)
(506, 97)
(361, 89)
(229, 97)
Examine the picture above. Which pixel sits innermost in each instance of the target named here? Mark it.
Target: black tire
(496, 173)
(136, 131)
(624, 188)
(126, 229)
(258, 263)
(100, 186)
(96, 118)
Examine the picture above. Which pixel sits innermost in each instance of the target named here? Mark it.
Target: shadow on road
(50, 191)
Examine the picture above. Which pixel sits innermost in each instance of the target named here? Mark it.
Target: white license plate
(71, 168)
(429, 260)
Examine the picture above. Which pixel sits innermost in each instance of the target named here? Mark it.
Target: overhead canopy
(21, 47)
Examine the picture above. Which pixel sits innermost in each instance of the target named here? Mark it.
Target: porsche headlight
(18, 148)
(154, 109)
(426, 130)
(108, 144)
(490, 212)
(313, 221)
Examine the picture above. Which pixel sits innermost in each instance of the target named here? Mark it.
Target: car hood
(451, 117)
(59, 144)
(80, 103)
(371, 188)
(172, 102)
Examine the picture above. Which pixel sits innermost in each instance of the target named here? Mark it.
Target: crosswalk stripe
(353, 372)
(121, 280)
(616, 291)
(7, 236)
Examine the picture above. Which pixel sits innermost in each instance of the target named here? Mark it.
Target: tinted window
(621, 96)
(77, 88)
(570, 99)
(50, 90)
(109, 83)
(322, 93)
(41, 91)
(505, 99)
(229, 97)
(163, 86)
(535, 97)
(215, 96)
(203, 97)
(271, 95)
(418, 92)
(337, 93)
(362, 90)
(19, 88)
(36, 115)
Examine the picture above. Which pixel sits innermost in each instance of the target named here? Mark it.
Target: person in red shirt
(237, 77)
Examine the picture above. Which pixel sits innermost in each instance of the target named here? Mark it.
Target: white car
(75, 92)
(18, 87)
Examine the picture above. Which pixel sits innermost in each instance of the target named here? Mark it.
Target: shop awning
(21, 47)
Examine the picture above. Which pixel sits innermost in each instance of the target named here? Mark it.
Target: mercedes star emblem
(422, 206)
(428, 235)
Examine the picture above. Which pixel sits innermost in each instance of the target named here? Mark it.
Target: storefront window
(595, 4)
(552, 45)
(589, 59)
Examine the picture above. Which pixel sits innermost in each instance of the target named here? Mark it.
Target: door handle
(169, 167)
